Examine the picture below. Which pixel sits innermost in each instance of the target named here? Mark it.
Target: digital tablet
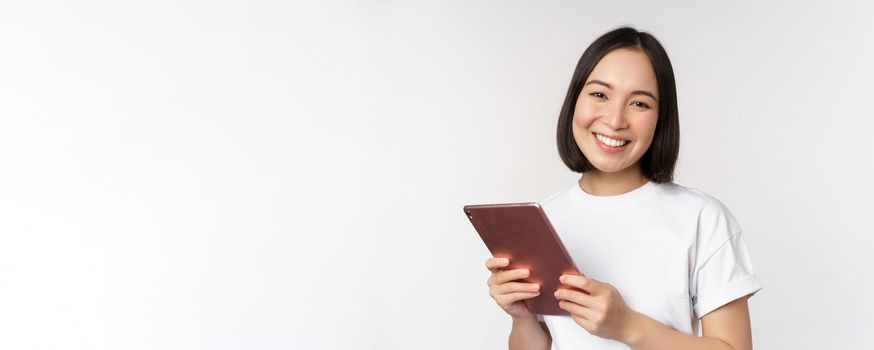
(523, 233)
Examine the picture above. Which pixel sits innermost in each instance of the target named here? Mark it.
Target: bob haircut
(660, 159)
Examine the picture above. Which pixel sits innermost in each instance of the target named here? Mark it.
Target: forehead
(626, 69)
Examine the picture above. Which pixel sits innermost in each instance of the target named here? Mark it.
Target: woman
(657, 256)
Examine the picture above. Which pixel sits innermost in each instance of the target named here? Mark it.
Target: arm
(726, 328)
(600, 310)
(529, 334)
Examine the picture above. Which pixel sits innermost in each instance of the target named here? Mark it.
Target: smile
(609, 142)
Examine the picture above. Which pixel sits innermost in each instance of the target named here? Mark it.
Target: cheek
(583, 116)
(645, 131)
(580, 129)
(650, 126)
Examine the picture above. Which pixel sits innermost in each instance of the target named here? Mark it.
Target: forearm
(527, 334)
(649, 334)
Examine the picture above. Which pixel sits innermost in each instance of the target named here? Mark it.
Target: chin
(611, 168)
(608, 170)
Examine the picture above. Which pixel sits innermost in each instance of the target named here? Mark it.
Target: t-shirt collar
(609, 203)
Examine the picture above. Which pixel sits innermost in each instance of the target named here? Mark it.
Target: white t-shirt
(673, 252)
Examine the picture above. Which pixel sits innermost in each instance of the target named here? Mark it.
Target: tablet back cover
(523, 233)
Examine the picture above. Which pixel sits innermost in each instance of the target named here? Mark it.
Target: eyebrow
(635, 92)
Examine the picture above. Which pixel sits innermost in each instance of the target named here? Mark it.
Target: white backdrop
(277, 175)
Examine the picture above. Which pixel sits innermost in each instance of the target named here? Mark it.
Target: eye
(641, 104)
(598, 95)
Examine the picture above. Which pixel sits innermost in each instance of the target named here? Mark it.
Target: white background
(277, 175)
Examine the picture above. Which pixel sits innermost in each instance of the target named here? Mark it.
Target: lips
(611, 141)
(607, 148)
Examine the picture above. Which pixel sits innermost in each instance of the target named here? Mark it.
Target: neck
(599, 183)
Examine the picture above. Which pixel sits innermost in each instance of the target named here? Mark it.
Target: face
(616, 114)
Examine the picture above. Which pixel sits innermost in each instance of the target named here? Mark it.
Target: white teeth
(611, 142)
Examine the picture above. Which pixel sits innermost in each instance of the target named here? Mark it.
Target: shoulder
(696, 199)
(686, 195)
(555, 195)
(715, 223)
(712, 215)
(558, 202)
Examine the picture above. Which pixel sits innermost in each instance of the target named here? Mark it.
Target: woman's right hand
(507, 293)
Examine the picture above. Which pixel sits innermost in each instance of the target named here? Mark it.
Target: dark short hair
(660, 159)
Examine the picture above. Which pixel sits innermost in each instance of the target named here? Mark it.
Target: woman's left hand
(602, 312)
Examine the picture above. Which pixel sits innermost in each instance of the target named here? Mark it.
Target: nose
(615, 117)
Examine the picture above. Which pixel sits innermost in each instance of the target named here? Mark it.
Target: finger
(584, 283)
(495, 264)
(586, 324)
(505, 300)
(502, 277)
(576, 297)
(578, 310)
(511, 287)
(505, 276)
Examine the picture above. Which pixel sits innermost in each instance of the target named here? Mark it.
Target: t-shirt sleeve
(723, 270)
(539, 317)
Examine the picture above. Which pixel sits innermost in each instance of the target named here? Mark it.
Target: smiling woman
(617, 119)
(624, 80)
(657, 256)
